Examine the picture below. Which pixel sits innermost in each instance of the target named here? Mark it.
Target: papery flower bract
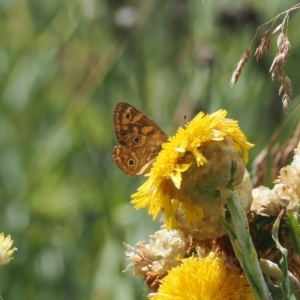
(6, 254)
(203, 279)
(196, 167)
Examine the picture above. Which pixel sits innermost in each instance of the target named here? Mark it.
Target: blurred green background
(63, 67)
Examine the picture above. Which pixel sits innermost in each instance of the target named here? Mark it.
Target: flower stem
(243, 247)
(295, 229)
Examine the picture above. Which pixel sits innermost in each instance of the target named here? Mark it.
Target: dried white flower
(153, 260)
(284, 193)
(265, 202)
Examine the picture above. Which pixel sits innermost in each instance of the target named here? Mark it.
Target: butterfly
(140, 139)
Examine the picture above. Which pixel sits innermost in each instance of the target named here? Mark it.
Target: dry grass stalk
(276, 69)
(238, 70)
(279, 61)
(264, 45)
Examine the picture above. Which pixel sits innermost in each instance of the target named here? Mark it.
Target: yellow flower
(6, 254)
(203, 279)
(193, 171)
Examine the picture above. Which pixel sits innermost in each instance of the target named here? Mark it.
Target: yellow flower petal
(176, 174)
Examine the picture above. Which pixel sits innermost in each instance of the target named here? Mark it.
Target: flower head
(6, 254)
(194, 170)
(206, 278)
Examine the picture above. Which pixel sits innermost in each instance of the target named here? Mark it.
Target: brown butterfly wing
(139, 137)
